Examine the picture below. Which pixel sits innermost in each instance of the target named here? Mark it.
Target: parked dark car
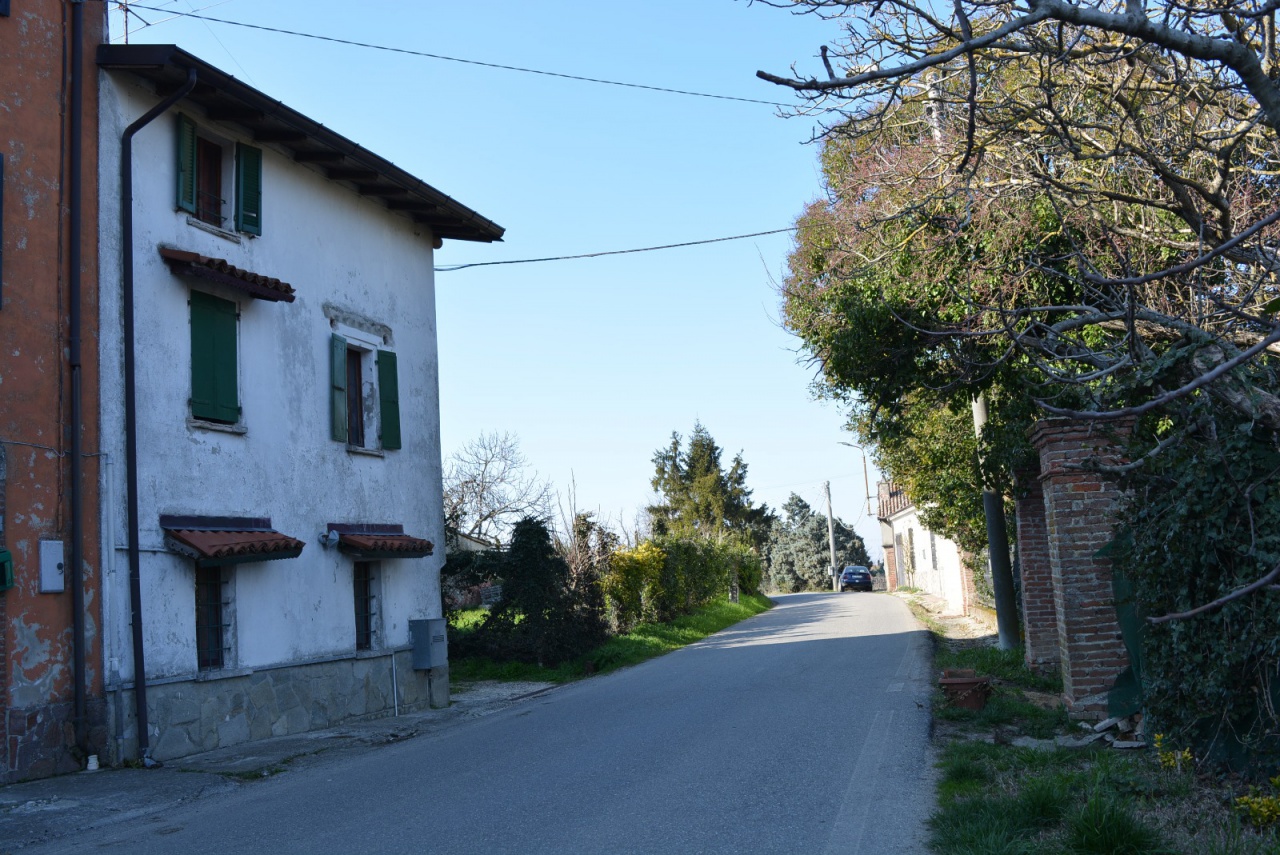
(855, 578)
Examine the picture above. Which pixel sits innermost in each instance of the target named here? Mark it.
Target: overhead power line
(452, 268)
(459, 59)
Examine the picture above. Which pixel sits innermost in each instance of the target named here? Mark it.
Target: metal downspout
(76, 183)
(131, 406)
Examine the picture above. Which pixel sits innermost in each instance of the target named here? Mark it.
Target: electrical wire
(458, 59)
(452, 268)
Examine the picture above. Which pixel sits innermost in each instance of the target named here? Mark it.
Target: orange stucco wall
(36, 686)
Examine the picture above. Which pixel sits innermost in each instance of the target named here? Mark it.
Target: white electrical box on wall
(51, 567)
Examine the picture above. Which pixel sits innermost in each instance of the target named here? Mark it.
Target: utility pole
(992, 504)
(997, 547)
(866, 481)
(831, 539)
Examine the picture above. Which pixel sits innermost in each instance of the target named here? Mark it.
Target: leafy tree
(1076, 205)
(698, 497)
(799, 554)
(1090, 192)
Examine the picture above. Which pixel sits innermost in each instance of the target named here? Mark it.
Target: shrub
(633, 584)
(1202, 519)
(543, 617)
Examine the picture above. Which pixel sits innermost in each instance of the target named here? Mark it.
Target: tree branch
(1223, 600)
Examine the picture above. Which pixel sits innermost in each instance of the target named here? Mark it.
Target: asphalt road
(803, 730)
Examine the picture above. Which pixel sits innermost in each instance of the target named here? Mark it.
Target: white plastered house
(270, 413)
(922, 559)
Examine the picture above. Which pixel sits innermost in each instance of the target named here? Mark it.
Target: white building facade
(279, 548)
(922, 559)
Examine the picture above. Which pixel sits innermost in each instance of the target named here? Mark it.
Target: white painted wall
(337, 250)
(942, 577)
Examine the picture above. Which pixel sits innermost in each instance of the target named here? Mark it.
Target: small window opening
(211, 628)
(355, 397)
(364, 575)
(209, 199)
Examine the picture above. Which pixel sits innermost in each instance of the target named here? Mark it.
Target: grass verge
(643, 642)
(1006, 787)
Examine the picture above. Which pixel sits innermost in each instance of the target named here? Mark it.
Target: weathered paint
(35, 639)
(358, 270)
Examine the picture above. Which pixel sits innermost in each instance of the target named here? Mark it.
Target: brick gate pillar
(1039, 612)
(1079, 509)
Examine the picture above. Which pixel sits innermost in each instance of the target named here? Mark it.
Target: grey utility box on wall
(430, 643)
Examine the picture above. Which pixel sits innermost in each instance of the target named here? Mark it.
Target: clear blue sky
(591, 363)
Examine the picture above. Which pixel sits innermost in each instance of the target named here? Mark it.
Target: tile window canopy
(222, 272)
(218, 541)
(372, 541)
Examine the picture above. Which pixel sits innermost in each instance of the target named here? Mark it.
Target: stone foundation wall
(41, 741)
(215, 710)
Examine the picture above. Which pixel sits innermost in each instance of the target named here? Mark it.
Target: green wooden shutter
(389, 399)
(215, 395)
(186, 164)
(338, 388)
(248, 189)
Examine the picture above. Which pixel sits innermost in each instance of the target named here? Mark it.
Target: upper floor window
(364, 394)
(203, 191)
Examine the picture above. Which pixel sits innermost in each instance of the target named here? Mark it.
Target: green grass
(643, 642)
(466, 620)
(1005, 665)
(996, 798)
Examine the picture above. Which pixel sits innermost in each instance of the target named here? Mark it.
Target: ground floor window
(211, 612)
(365, 576)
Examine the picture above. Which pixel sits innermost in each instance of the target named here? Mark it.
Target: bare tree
(489, 487)
(1149, 133)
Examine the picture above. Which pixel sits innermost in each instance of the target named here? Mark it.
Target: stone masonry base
(41, 741)
(215, 710)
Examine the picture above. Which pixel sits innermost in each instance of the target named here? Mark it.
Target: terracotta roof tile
(892, 499)
(230, 546)
(223, 271)
(386, 545)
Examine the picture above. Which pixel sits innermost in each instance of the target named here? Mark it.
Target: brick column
(890, 569)
(1039, 612)
(967, 562)
(1080, 515)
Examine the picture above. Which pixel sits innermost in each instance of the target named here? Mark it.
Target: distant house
(270, 405)
(917, 557)
(460, 596)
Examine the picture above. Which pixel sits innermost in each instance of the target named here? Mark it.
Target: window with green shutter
(202, 189)
(364, 388)
(389, 399)
(215, 394)
(248, 189)
(338, 388)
